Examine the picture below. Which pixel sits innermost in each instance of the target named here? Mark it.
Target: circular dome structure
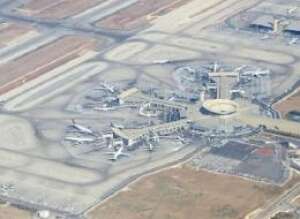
(220, 106)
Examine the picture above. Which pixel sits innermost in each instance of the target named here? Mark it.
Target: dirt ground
(181, 193)
(139, 14)
(42, 60)
(58, 9)
(14, 213)
(290, 104)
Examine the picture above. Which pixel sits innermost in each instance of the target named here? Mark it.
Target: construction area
(111, 109)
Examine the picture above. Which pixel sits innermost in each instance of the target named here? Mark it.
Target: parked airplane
(237, 91)
(270, 142)
(172, 98)
(215, 67)
(181, 139)
(150, 147)
(292, 145)
(104, 108)
(79, 140)
(108, 87)
(292, 10)
(117, 125)
(118, 154)
(238, 71)
(110, 146)
(293, 41)
(81, 128)
(265, 37)
(154, 139)
(163, 61)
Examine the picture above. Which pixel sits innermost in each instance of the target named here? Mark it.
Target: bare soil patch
(181, 193)
(14, 213)
(289, 104)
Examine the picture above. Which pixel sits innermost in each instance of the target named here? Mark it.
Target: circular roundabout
(220, 106)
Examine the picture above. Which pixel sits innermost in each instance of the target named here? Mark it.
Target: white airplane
(79, 140)
(118, 143)
(105, 108)
(270, 142)
(292, 145)
(181, 139)
(171, 98)
(292, 10)
(150, 147)
(293, 41)
(239, 91)
(155, 138)
(108, 87)
(238, 70)
(265, 37)
(81, 128)
(118, 154)
(214, 67)
(110, 146)
(163, 61)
